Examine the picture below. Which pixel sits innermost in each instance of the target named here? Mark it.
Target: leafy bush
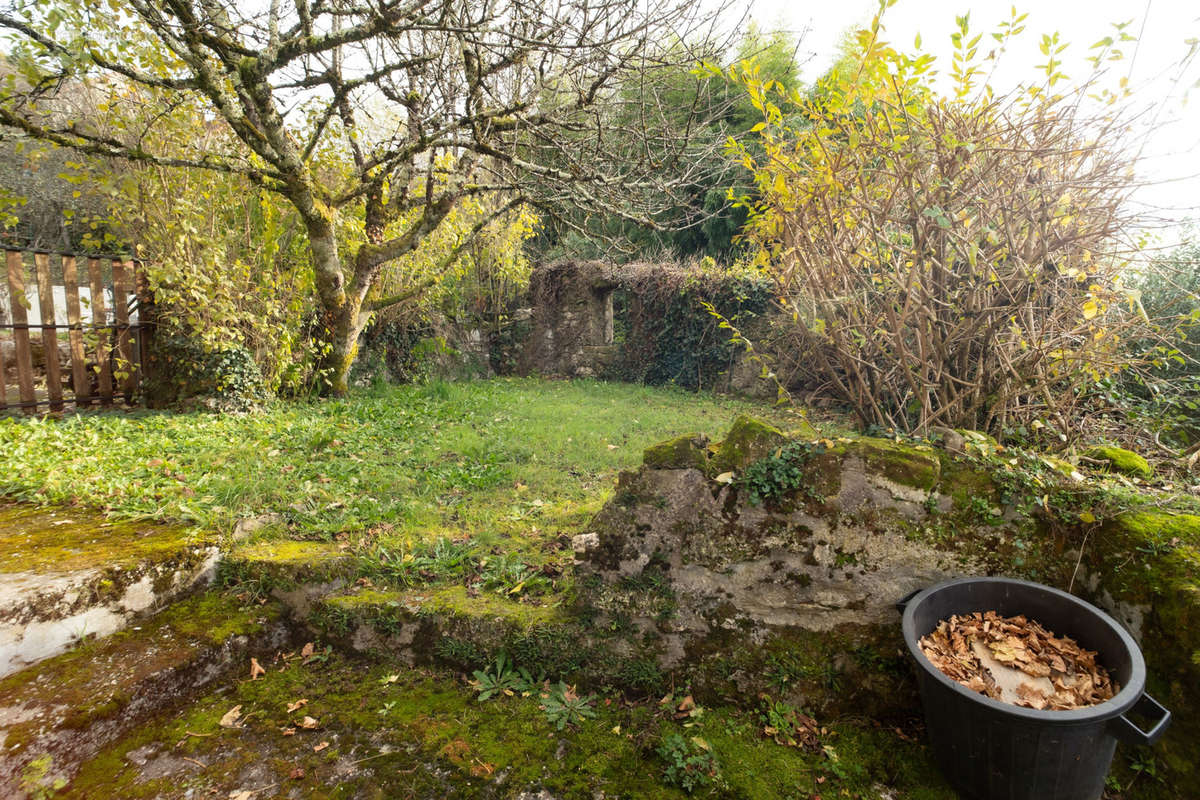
(224, 379)
(691, 764)
(944, 260)
(1164, 396)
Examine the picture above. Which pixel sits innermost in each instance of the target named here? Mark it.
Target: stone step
(297, 573)
(70, 574)
(59, 713)
(409, 624)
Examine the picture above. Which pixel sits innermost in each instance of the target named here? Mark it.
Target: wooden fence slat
(41, 263)
(121, 288)
(3, 379)
(79, 370)
(100, 323)
(146, 319)
(24, 353)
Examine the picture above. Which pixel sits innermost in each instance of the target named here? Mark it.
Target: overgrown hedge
(670, 337)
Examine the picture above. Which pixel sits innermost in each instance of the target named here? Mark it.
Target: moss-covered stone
(76, 702)
(397, 732)
(906, 464)
(1151, 560)
(64, 540)
(455, 600)
(962, 482)
(285, 563)
(410, 622)
(1122, 460)
(683, 452)
(748, 440)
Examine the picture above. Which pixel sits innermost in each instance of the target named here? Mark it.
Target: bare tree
(432, 102)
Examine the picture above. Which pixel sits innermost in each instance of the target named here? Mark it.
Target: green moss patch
(483, 621)
(386, 731)
(1122, 460)
(97, 680)
(906, 464)
(682, 452)
(748, 440)
(456, 601)
(62, 540)
(288, 562)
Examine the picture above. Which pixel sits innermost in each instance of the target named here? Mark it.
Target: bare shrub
(953, 260)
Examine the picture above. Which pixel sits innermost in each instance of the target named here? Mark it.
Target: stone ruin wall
(572, 323)
(571, 333)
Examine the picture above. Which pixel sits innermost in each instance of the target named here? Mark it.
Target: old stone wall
(646, 322)
(572, 319)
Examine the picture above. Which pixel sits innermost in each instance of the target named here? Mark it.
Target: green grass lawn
(493, 460)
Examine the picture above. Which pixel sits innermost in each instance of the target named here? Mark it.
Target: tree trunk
(341, 309)
(344, 328)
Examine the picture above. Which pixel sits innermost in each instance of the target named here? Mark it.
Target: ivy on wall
(666, 335)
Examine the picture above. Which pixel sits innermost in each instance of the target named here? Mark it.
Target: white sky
(1171, 158)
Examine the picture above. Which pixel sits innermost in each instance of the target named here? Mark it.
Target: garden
(457, 400)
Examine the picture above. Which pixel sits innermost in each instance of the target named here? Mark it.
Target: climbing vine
(671, 339)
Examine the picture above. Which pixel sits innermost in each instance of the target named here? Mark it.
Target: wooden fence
(105, 308)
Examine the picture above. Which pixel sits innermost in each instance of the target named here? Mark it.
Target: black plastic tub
(990, 750)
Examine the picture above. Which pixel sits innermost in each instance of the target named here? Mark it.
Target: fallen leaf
(297, 773)
(230, 720)
(243, 794)
(308, 723)
(288, 731)
(1016, 660)
(296, 706)
(319, 747)
(724, 477)
(307, 650)
(256, 669)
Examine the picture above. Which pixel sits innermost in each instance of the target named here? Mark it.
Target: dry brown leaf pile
(1015, 660)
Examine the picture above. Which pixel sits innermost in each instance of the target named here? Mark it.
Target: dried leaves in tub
(1016, 660)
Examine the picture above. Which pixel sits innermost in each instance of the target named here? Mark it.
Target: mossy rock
(74, 703)
(688, 451)
(1152, 559)
(286, 563)
(36, 539)
(905, 464)
(422, 617)
(748, 440)
(1122, 460)
(963, 482)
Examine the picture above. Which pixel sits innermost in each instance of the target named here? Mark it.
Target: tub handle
(1128, 732)
(903, 602)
